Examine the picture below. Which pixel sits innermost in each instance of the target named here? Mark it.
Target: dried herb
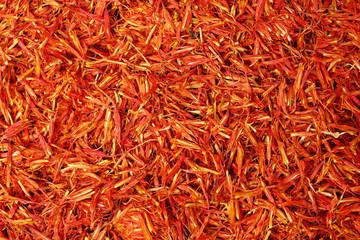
(191, 119)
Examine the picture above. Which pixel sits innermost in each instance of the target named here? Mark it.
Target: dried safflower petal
(192, 119)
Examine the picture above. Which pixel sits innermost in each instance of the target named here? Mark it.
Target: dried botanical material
(191, 119)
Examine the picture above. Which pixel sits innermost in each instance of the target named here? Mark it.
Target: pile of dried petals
(191, 119)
